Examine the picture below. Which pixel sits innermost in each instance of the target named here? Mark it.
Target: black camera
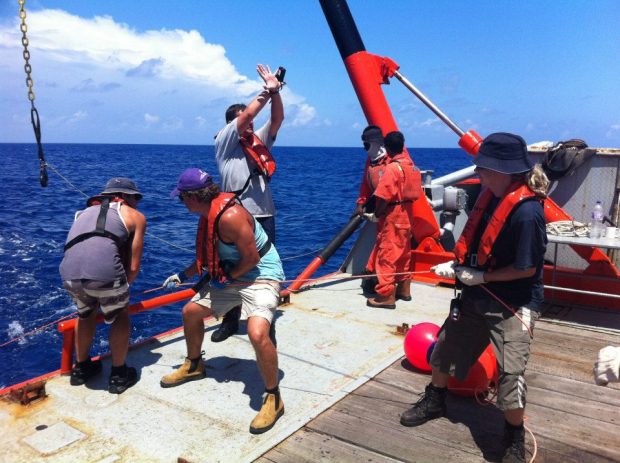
(280, 73)
(455, 308)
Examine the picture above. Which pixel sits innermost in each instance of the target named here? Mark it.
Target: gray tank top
(98, 257)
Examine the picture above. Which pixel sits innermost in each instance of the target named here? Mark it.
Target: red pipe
(67, 327)
(303, 276)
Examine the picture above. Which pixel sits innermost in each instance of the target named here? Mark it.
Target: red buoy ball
(419, 342)
(480, 376)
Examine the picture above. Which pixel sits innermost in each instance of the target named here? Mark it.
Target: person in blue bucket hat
(498, 265)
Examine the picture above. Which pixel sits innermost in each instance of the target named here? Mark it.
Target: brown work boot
(403, 290)
(382, 302)
(270, 412)
(184, 373)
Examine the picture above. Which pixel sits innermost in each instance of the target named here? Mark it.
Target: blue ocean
(314, 190)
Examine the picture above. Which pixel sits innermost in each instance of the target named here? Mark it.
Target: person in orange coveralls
(394, 195)
(372, 138)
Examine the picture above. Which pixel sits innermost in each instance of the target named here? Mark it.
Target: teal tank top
(268, 268)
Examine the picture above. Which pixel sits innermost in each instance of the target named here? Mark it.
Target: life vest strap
(404, 201)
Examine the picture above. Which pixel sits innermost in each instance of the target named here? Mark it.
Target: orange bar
(68, 346)
(67, 327)
(303, 276)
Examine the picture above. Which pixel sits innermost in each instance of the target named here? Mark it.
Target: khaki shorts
(88, 295)
(460, 343)
(257, 299)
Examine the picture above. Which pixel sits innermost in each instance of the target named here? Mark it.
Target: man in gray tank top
(102, 256)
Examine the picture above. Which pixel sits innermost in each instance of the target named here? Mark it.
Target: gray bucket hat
(121, 185)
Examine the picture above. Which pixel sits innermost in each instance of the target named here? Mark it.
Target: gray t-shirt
(235, 170)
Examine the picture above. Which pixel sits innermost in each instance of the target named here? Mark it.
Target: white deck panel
(329, 343)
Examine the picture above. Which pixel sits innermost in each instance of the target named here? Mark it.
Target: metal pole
(429, 104)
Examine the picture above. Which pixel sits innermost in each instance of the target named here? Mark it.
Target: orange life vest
(374, 173)
(411, 178)
(517, 193)
(207, 236)
(258, 155)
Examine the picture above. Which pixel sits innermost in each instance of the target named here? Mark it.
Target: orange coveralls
(398, 187)
(372, 175)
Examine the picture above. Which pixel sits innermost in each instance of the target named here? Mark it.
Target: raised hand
(272, 84)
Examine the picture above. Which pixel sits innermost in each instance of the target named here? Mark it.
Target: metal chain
(24, 28)
(34, 114)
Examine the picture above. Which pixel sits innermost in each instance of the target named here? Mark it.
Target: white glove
(445, 269)
(607, 366)
(174, 280)
(370, 217)
(469, 276)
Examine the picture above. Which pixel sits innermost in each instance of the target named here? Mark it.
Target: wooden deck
(572, 419)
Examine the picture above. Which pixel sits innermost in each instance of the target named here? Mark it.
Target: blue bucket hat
(192, 179)
(504, 152)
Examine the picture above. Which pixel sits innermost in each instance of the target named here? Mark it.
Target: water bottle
(596, 229)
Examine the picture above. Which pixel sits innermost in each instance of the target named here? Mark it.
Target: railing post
(67, 328)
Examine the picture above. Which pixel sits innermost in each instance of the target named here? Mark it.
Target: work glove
(370, 217)
(220, 283)
(469, 276)
(174, 280)
(445, 269)
(607, 366)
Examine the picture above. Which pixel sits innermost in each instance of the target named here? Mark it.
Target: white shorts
(258, 299)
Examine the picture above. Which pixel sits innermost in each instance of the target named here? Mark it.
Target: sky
(164, 72)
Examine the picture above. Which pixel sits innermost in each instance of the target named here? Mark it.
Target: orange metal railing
(67, 327)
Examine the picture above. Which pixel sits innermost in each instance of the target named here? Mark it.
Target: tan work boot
(182, 374)
(270, 412)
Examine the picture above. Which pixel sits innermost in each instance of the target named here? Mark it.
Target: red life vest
(411, 179)
(517, 193)
(258, 155)
(207, 236)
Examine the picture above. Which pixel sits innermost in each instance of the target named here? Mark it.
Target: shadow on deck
(572, 419)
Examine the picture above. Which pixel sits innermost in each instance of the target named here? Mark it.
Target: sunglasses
(366, 145)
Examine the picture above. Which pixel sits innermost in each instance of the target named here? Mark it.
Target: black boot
(514, 443)
(369, 283)
(430, 406)
(229, 325)
(85, 370)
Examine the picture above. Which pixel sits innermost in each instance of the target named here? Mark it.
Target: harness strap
(265, 249)
(247, 183)
(396, 203)
(99, 229)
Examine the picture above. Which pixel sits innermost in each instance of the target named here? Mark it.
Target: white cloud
(150, 118)
(428, 122)
(303, 115)
(77, 116)
(614, 131)
(175, 74)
